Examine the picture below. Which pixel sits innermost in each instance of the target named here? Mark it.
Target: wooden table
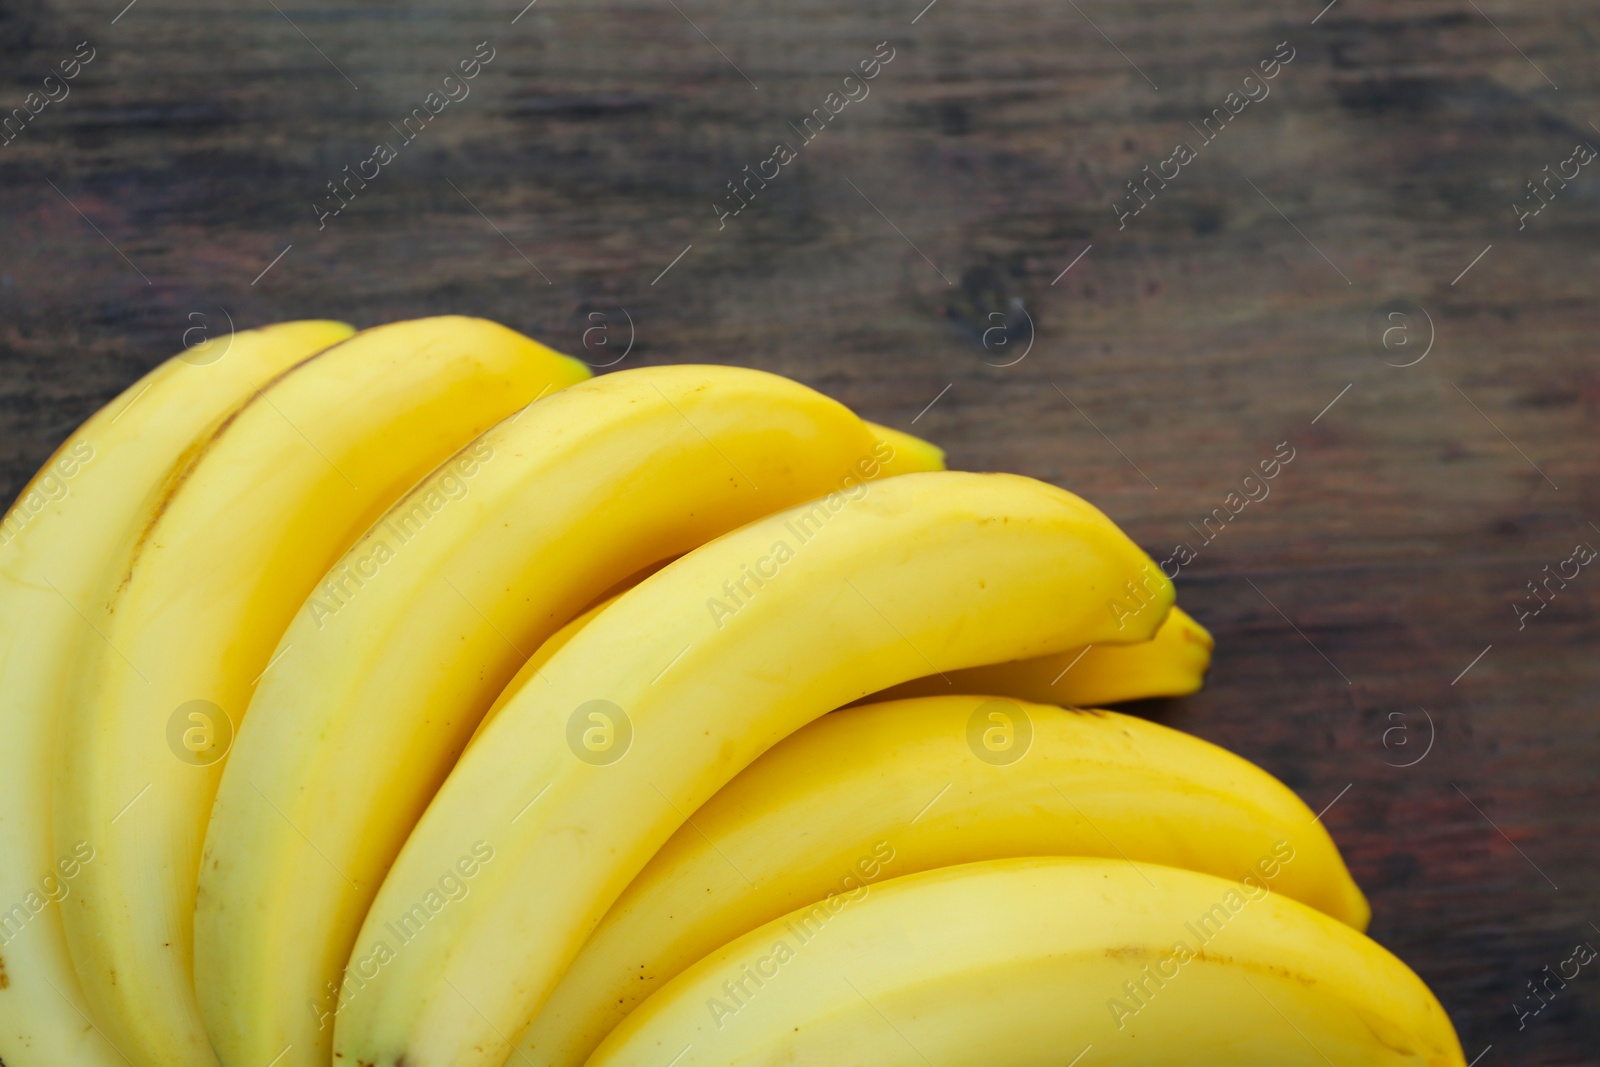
(961, 214)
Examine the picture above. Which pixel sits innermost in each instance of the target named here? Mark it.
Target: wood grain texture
(1171, 359)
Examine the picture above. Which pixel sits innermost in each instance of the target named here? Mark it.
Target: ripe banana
(394, 659)
(194, 601)
(1171, 664)
(887, 790)
(1019, 962)
(677, 686)
(54, 542)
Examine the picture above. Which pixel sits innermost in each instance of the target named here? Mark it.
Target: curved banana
(677, 686)
(887, 790)
(1171, 664)
(1017, 962)
(189, 612)
(350, 735)
(54, 542)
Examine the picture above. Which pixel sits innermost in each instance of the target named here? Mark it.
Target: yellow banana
(885, 790)
(677, 686)
(191, 607)
(1019, 962)
(1171, 664)
(54, 543)
(382, 681)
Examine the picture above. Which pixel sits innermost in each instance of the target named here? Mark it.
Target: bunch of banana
(538, 761)
(383, 677)
(890, 789)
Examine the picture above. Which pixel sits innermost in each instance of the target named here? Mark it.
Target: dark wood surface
(1178, 353)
